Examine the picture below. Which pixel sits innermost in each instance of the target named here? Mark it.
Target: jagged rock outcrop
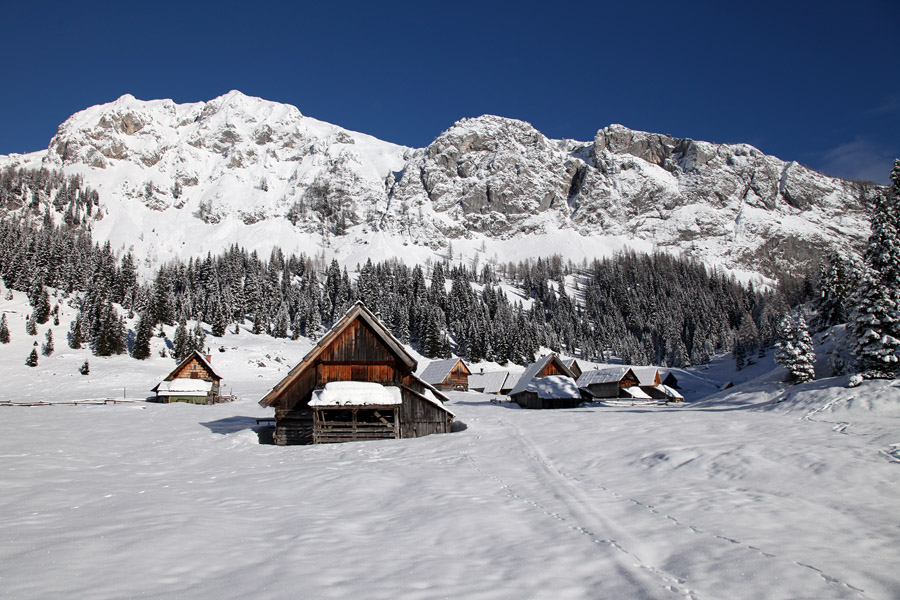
(238, 167)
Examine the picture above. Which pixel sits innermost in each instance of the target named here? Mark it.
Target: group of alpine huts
(359, 383)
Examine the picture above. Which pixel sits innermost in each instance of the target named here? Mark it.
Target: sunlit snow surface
(764, 491)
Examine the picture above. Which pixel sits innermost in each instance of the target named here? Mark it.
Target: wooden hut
(450, 374)
(194, 380)
(321, 399)
(608, 383)
(559, 391)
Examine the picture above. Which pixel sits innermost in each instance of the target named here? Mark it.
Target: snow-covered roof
(637, 393)
(609, 375)
(535, 368)
(554, 387)
(669, 392)
(492, 382)
(511, 380)
(356, 393)
(645, 375)
(184, 387)
(438, 370)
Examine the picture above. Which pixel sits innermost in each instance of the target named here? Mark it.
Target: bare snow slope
(181, 180)
(163, 501)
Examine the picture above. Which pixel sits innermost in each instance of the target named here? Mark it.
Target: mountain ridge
(242, 169)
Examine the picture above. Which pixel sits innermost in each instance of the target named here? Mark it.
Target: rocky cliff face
(239, 161)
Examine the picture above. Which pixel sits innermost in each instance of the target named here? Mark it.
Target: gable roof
(645, 375)
(493, 381)
(438, 370)
(609, 375)
(536, 367)
(554, 387)
(511, 380)
(357, 311)
(194, 354)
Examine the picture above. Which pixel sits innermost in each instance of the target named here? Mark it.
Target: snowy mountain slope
(179, 180)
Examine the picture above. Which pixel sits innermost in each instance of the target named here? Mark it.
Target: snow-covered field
(763, 491)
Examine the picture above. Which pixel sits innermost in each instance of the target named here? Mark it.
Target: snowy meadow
(764, 491)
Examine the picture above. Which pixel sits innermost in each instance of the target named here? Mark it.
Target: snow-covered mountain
(178, 180)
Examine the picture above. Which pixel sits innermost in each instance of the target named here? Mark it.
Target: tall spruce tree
(32, 360)
(143, 334)
(181, 344)
(31, 325)
(794, 349)
(4, 330)
(47, 348)
(877, 301)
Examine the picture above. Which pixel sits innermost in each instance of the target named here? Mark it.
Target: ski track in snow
(891, 453)
(579, 517)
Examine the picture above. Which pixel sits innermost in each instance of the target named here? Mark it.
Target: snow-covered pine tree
(794, 349)
(220, 323)
(47, 348)
(198, 339)
(32, 360)
(180, 342)
(40, 299)
(31, 325)
(85, 368)
(4, 330)
(282, 322)
(838, 279)
(739, 352)
(876, 322)
(803, 368)
(110, 339)
(143, 333)
(784, 337)
(76, 337)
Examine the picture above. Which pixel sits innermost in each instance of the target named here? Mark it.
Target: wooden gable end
(192, 368)
(358, 343)
(628, 380)
(551, 368)
(356, 353)
(458, 377)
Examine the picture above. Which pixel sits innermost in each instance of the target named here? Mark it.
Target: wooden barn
(547, 383)
(358, 383)
(194, 380)
(450, 374)
(608, 383)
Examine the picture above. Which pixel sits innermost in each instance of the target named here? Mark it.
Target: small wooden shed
(194, 380)
(558, 392)
(321, 400)
(609, 382)
(450, 374)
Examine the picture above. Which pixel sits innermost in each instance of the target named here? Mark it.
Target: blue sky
(813, 82)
